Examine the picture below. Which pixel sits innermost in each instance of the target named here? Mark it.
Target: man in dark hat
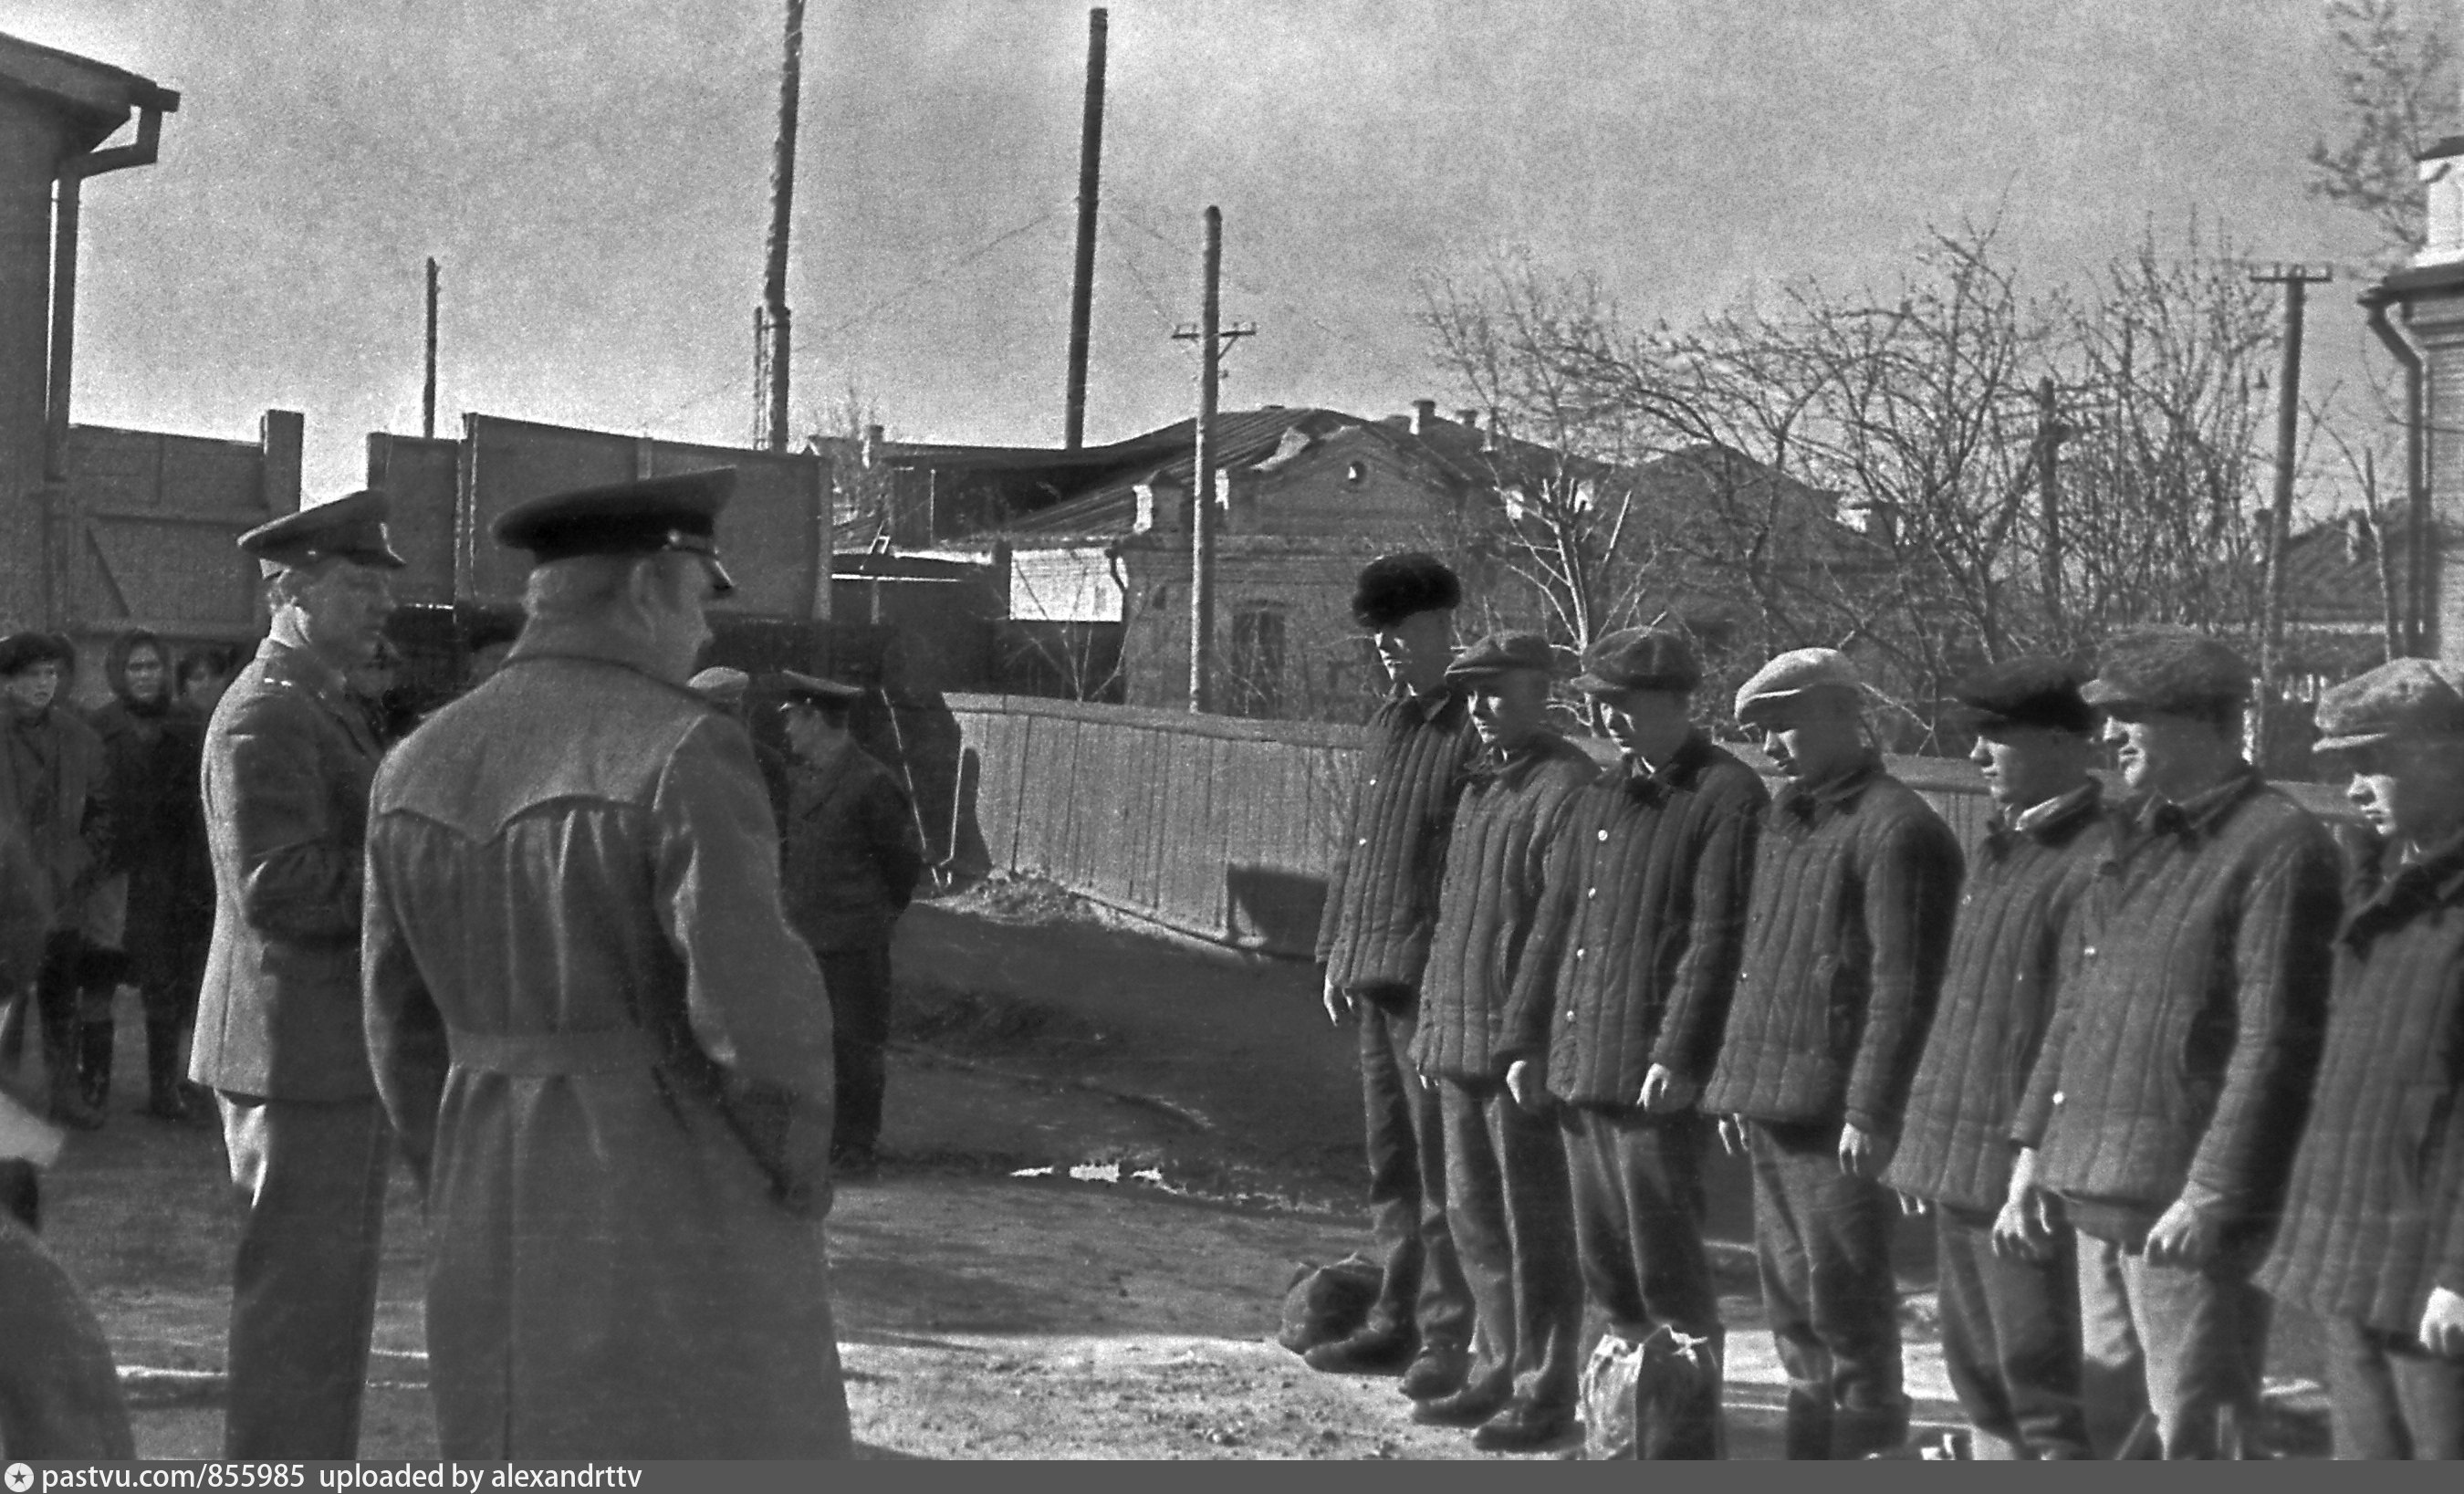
(730, 690)
(607, 1053)
(1622, 993)
(288, 756)
(2009, 1302)
(2168, 1094)
(1854, 883)
(54, 784)
(2372, 1237)
(1381, 902)
(1506, 1202)
(852, 857)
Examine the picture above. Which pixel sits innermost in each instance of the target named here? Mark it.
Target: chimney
(1422, 413)
(1468, 419)
(871, 448)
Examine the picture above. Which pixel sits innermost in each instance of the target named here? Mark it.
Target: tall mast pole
(1082, 283)
(771, 322)
(1201, 483)
(428, 392)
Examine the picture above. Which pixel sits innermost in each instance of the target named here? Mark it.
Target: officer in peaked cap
(288, 757)
(629, 974)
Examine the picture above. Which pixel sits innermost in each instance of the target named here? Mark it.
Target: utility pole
(1210, 335)
(2294, 278)
(1082, 282)
(770, 322)
(428, 395)
(2051, 431)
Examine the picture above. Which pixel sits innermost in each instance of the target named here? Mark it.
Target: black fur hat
(19, 652)
(1394, 586)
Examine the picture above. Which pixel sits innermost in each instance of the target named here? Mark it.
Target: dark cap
(2035, 691)
(2172, 672)
(22, 652)
(645, 518)
(2410, 698)
(721, 684)
(1395, 586)
(349, 528)
(1794, 674)
(797, 689)
(1639, 658)
(1511, 648)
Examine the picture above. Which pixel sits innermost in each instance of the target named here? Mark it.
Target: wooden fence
(1215, 826)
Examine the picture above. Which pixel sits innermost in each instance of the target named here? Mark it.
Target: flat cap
(644, 517)
(1797, 673)
(792, 686)
(1639, 658)
(350, 528)
(2403, 698)
(2035, 691)
(21, 652)
(1394, 586)
(721, 684)
(2170, 670)
(1509, 648)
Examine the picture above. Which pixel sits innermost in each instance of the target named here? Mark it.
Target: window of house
(1257, 662)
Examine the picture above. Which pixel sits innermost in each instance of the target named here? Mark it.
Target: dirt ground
(1105, 1153)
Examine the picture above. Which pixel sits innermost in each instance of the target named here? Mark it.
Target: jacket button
(1604, 835)
(1593, 892)
(2057, 1097)
(2090, 952)
(1373, 783)
(1578, 953)
(1364, 840)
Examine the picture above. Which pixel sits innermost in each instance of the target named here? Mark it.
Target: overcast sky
(593, 176)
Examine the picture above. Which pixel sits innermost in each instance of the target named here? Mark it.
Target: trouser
(1421, 1286)
(2182, 1342)
(1511, 1214)
(56, 985)
(1822, 1240)
(1638, 1193)
(859, 987)
(2010, 1340)
(2393, 1398)
(310, 1177)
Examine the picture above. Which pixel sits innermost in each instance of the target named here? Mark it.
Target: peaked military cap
(644, 517)
(1796, 672)
(793, 687)
(22, 652)
(721, 684)
(1639, 658)
(2402, 699)
(1395, 586)
(2035, 691)
(2169, 671)
(350, 528)
(1508, 649)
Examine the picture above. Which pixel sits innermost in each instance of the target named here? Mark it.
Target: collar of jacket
(2050, 823)
(2199, 814)
(1652, 786)
(589, 645)
(1816, 801)
(1431, 704)
(285, 664)
(1508, 769)
(2404, 890)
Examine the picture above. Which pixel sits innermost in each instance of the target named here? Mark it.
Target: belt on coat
(536, 1055)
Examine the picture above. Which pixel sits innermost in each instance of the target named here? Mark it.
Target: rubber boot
(94, 1062)
(164, 1099)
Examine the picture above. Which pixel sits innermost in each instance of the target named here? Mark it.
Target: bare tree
(2397, 79)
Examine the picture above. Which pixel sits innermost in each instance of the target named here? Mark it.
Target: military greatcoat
(578, 976)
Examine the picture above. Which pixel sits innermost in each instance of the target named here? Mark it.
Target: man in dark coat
(2010, 1305)
(1855, 880)
(54, 783)
(154, 749)
(1622, 994)
(288, 757)
(1381, 902)
(1506, 1202)
(851, 858)
(607, 1054)
(2169, 1092)
(2372, 1237)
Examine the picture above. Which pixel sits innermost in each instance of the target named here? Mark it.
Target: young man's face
(1416, 650)
(1811, 735)
(1509, 708)
(32, 687)
(1635, 717)
(811, 731)
(204, 689)
(2156, 749)
(2025, 765)
(2410, 791)
(145, 673)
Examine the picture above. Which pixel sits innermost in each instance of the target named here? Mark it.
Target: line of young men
(2089, 1053)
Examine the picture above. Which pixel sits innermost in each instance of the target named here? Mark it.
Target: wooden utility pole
(770, 322)
(428, 393)
(2051, 431)
(1082, 282)
(2294, 278)
(1211, 335)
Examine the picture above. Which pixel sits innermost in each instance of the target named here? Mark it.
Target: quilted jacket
(1997, 997)
(1381, 899)
(1495, 862)
(1641, 923)
(1854, 883)
(2374, 1216)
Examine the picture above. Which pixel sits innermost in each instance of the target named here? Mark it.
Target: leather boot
(164, 1099)
(68, 1105)
(93, 1061)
